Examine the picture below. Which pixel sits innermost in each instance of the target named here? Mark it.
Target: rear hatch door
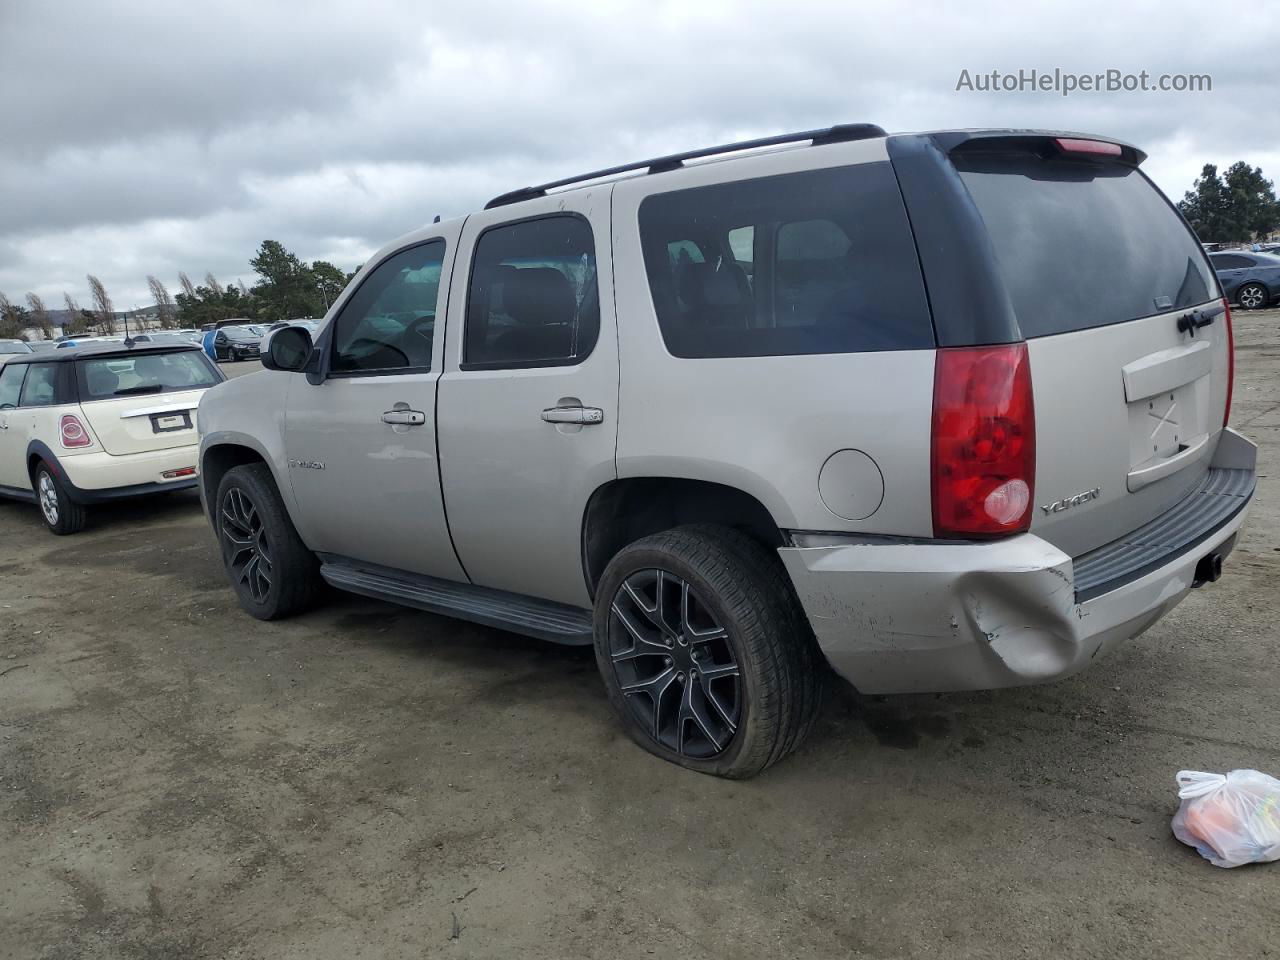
(1126, 331)
(143, 402)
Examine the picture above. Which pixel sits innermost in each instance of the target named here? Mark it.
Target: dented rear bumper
(915, 617)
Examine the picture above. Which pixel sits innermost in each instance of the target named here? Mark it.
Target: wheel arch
(622, 511)
(216, 459)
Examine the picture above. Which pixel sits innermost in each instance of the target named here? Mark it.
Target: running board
(544, 619)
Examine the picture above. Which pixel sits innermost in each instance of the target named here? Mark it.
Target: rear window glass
(815, 262)
(1084, 245)
(123, 375)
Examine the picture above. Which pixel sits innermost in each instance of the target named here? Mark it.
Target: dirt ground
(179, 780)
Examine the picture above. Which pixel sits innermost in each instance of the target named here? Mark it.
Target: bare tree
(211, 282)
(102, 306)
(11, 324)
(165, 312)
(188, 288)
(244, 291)
(40, 315)
(75, 316)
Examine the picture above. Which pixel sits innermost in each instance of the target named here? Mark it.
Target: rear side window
(533, 298)
(125, 375)
(815, 262)
(11, 384)
(1083, 245)
(1230, 261)
(40, 388)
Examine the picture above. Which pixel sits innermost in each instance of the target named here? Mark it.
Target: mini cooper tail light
(1231, 359)
(983, 453)
(73, 432)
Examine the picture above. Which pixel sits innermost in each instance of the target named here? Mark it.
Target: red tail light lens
(1096, 147)
(73, 432)
(984, 441)
(1231, 360)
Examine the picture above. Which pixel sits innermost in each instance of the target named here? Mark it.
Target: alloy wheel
(246, 547)
(1251, 297)
(48, 499)
(675, 664)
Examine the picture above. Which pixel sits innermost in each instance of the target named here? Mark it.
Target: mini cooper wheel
(61, 514)
(1252, 296)
(705, 654)
(272, 572)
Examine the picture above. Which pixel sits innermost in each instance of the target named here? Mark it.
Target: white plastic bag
(1231, 820)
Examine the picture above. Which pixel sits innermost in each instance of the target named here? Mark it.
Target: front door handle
(582, 415)
(408, 418)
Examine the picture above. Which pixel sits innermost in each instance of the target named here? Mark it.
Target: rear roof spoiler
(1034, 140)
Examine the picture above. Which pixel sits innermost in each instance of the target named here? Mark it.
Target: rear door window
(1082, 244)
(40, 388)
(803, 263)
(1230, 261)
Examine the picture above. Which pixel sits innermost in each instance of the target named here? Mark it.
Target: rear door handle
(410, 418)
(582, 415)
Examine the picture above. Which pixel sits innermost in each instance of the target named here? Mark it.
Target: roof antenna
(128, 341)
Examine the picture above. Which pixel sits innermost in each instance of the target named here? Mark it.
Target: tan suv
(945, 411)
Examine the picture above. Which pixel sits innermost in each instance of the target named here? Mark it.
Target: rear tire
(60, 513)
(1252, 296)
(706, 656)
(271, 570)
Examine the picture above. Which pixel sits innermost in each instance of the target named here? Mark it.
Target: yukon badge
(307, 464)
(1066, 503)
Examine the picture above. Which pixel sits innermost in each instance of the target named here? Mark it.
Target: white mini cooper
(99, 422)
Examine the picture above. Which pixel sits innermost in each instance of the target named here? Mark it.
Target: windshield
(123, 375)
(14, 346)
(239, 333)
(1084, 245)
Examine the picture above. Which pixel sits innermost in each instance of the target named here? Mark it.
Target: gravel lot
(179, 780)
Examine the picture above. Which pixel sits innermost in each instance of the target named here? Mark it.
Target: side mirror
(288, 349)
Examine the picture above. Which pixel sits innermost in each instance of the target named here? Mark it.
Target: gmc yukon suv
(945, 411)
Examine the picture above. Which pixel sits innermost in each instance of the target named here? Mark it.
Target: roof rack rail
(840, 133)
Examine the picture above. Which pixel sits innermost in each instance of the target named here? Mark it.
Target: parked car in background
(162, 336)
(13, 348)
(99, 422)
(236, 343)
(39, 346)
(706, 417)
(1250, 279)
(69, 342)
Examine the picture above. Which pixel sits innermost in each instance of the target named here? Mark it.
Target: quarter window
(533, 298)
(11, 384)
(389, 322)
(40, 387)
(815, 262)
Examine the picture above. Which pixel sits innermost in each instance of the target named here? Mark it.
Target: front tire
(271, 570)
(60, 513)
(1252, 296)
(706, 656)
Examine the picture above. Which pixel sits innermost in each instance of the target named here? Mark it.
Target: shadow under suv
(839, 399)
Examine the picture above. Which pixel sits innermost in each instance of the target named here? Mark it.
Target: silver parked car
(841, 401)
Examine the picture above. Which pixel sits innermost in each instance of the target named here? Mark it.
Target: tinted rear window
(815, 262)
(1084, 245)
(125, 375)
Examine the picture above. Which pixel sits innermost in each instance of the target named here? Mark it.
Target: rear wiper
(1193, 321)
(149, 388)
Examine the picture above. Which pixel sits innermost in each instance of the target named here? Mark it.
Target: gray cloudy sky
(147, 137)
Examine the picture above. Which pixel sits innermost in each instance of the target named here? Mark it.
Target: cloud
(143, 137)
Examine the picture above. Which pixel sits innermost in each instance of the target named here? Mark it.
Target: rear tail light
(73, 432)
(1231, 359)
(983, 441)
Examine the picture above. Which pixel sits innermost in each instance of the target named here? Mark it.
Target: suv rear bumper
(931, 617)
